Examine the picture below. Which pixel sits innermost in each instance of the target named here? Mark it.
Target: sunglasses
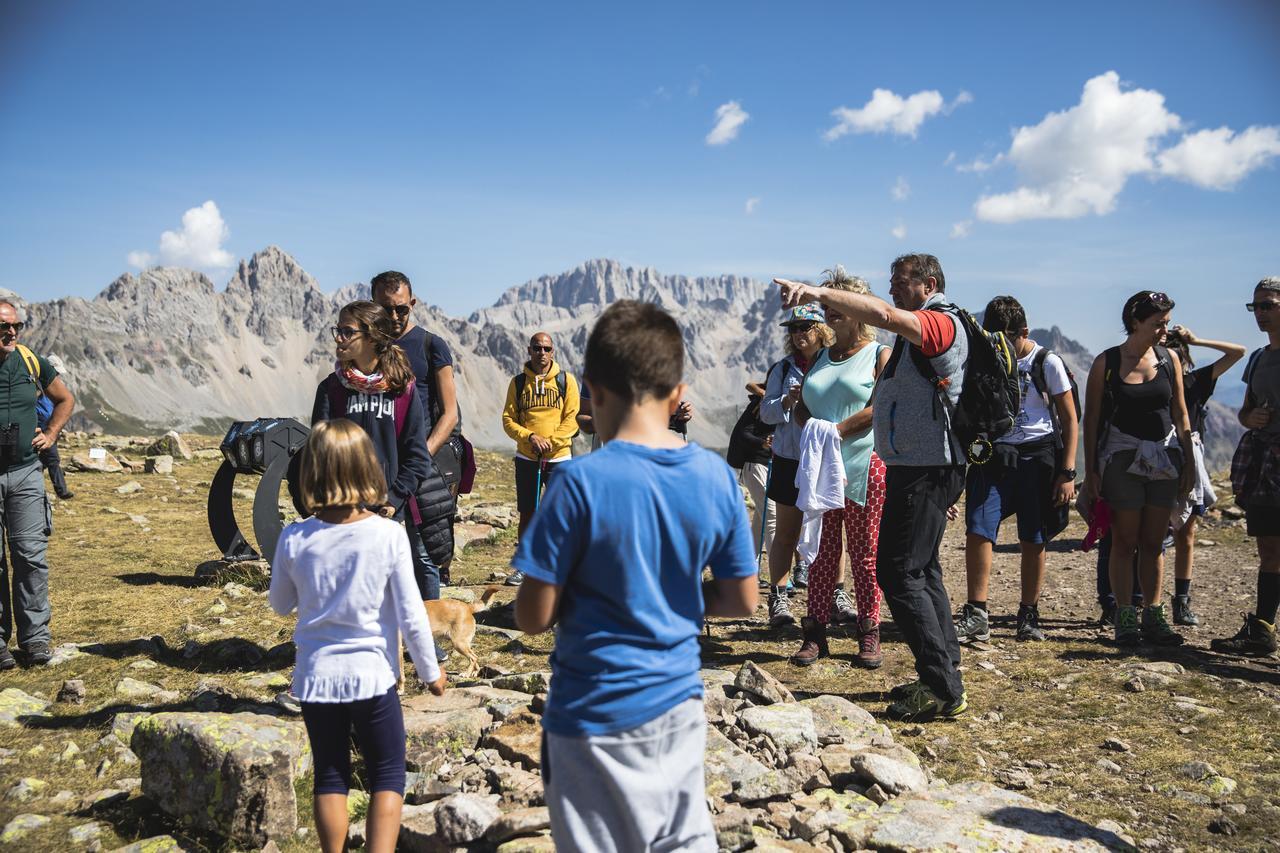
(344, 333)
(800, 328)
(539, 348)
(1158, 299)
(1264, 307)
(15, 328)
(400, 311)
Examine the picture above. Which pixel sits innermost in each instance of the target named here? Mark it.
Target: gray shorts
(1125, 491)
(640, 789)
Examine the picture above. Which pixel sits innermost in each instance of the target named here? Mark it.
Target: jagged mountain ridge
(166, 349)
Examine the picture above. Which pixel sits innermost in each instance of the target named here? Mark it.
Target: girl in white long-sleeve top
(349, 574)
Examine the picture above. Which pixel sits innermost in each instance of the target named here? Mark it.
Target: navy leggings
(378, 726)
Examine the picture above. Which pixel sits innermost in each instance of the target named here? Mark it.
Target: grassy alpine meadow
(1176, 746)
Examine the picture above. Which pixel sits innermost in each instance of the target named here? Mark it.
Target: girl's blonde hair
(340, 469)
(838, 279)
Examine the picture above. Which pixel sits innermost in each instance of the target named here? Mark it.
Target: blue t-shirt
(626, 532)
(427, 353)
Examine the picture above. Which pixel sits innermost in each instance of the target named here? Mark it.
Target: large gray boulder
(232, 774)
(725, 765)
(789, 725)
(434, 737)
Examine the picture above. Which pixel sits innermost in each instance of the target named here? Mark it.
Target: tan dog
(456, 620)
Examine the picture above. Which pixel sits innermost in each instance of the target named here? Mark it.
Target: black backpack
(1042, 388)
(991, 395)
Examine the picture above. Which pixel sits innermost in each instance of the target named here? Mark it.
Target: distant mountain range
(166, 349)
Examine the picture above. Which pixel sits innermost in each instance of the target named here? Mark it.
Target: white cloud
(979, 165)
(752, 204)
(1078, 161)
(901, 189)
(960, 230)
(899, 231)
(951, 158)
(729, 120)
(198, 245)
(892, 113)
(1219, 159)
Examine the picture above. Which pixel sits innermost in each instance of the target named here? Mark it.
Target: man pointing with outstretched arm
(925, 469)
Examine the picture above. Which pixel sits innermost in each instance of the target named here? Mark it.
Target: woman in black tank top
(1135, 389)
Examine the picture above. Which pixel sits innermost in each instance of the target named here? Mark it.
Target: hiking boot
(1255, 638)
(844, 613)
(1156, 628)
(972, 624)
(1108, 617)
(814, 645)
(902, 691)
(515, 578)
(1182, 614)
(922, 705)
(38, 653)
(66, 496)
(869, 656)
(6, 659)
(1029, 623)
(800, 575)
(1127, 632)
(780, 609)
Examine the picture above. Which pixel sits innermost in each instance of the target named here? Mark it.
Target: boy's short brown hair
(340, 469)
(635, 351)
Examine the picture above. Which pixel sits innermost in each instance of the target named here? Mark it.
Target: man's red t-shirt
(937, 332)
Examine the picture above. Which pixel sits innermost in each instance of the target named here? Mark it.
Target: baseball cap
(810, 312)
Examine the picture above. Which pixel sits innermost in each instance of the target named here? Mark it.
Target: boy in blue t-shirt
(615, 557)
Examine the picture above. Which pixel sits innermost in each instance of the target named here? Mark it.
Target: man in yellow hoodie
(541, 414)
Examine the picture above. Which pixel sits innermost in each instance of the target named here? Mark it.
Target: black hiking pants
(908, 570)
(52, 463)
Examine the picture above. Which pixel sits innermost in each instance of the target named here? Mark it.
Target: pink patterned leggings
(861, 533)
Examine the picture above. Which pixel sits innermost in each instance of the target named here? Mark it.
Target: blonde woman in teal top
(838, 388)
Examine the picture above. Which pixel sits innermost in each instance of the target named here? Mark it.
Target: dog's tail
(489, 592)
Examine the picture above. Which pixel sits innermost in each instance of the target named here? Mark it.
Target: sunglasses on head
(343, 333)
(1264, 307)
(14, 328)
(539, 348)
(400, 311)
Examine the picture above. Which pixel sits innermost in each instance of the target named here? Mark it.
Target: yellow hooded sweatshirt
(540, 410)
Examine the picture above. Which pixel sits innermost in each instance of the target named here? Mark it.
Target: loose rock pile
(783, 773)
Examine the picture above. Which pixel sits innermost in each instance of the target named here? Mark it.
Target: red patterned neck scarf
(365, 383)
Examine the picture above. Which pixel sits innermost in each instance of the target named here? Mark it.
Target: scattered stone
(69, 751)
(229, 773)
(105, 799)
(63, 801)
(877, 795)
(463, 818)
(733, 829)
(287, 703)
(132, 690)
(25, 790)
(837, 720)
(1135, 685)
(20, 826)
(1115, 745)
(895, 777)
(63, 653)
(727, 765)
(1222, 826)
(268, 681)
(1016, 778)
(123, 724)
(518, 740)
(761, 685)
(129, 488)
(144, 664)
(525, 682)
(517, 823)
(1197, 770)
(72, 691)
(790, 726)
(85, 832)
(1108, 766)
(516, 785)
(162, 464)
(89, 462)
(170, 444)
(770, 785)
(1221, 786)
(533, 844)
(17, 707)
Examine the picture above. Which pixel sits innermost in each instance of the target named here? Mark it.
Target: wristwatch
(1069, 473)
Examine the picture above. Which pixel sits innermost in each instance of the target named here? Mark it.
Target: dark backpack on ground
(1042, 388)
(562, 385)
(991, 395)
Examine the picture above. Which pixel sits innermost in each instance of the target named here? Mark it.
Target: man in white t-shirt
(1032, 475)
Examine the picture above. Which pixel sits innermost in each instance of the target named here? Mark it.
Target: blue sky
(475, 146)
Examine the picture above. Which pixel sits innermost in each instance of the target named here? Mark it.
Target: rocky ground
(165, 721)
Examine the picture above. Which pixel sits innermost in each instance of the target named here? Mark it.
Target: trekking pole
(537, 489)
